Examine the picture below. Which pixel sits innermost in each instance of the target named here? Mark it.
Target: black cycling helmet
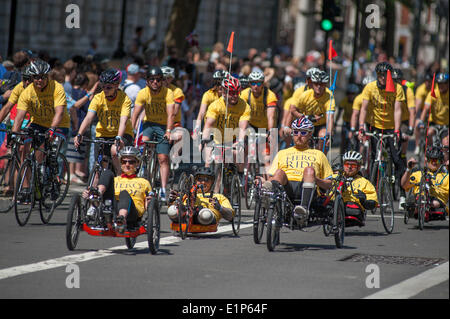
(26, 73)
(383, 67)
(245, 83)
(397, 75)
(39, 67)
(205, 171)
(110, 76)
(154, 71)
(434, 152)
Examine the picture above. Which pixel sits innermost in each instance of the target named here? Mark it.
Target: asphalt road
(408, 263)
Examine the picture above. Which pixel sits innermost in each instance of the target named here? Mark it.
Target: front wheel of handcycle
(421, 210)
(235, 196)
(74, 222)
(339, 221)
(386, 205)
(153, 226)
(273, 226)
(259, 221)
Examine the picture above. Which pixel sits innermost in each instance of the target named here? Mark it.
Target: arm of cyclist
(170, 120)
(362, 117)
(121, 131)
(83, 127)
(353, 123)
(405, 181)
(397, 118)
(226, 212)
(57, 118)
(135, 116)
(18, 120)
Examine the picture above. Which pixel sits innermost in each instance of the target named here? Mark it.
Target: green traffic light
(326, 25)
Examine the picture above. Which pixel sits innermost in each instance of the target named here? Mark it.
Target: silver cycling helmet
(256, 76)
(130, 151)
(168, 72)
(320, 77)
(352, 156)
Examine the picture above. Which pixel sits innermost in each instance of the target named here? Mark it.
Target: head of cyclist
(38, 71)
(169, 75)
(130, 159)
(435, 157)
(256, 80)
(381, 70)
(302, 130)
(232, 87)
(109, 82)
(319, 80)
(309, 73)
(428, 80)
(218, 76)
(155, 79)
(352, 163)
(352, 91)
(27, 77)
(442, 80)
(397, 75)
(204, 176)
(245, 83)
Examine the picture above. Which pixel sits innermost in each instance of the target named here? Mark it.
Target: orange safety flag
(230, 43)
(331, 51)
(390, 85)
(433, 94)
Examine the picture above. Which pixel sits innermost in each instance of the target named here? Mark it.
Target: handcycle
(41, 181)
(97, 217)
(10, 165)
(423, 210)
(102, 162)
(383, 178)
(275, 210)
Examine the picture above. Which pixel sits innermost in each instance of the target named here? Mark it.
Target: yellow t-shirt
(359, 183)
(410, 103)
(357, 103)
(15, 93)
(41, 104)
(109, 113)
(439, 189)
(209, 97)
(178, 97)
(293, 162)
(258, 111)
(439, 107)
(421, 94)
(309, 105)
(204, 202)
(155, 105)
(347, 106)
(235, 113)
(383, 104)
(137, 187)
(287, 104)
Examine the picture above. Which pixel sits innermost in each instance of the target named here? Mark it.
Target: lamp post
(12, 27)
(120, 53)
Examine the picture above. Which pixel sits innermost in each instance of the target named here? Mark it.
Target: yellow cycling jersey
(383, 104)
(16, 92)
(155, 105)
(439, 107)
(287, 104)
(178, 97)
(347, 106)
(109, 113)
(309, 105)
(137, 188)
(209, 97)
(421, 94)
(41, 104)
(359, 183)
(410, 103)
(235, 114)
(204, 202)
(258, 110)
(293, 161)
(357, 103)
(439, 189)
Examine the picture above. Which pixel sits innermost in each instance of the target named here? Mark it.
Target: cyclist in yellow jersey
(158, 103)
(212, 207)
(208, 97)
(319, 103)
(131, 193)
(112, 107)
(300, 169)
(420, 97)
(437, 108)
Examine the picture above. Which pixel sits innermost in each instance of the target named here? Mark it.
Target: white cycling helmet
(132, 152)
(168, 72)
(352, 156)
(368, 79)
(256, 76)
(311, 71)
(320, 77)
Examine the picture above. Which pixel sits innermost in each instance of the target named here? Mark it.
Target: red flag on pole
(230, 43)
(331, 51)
(433, 94)
(390, 85)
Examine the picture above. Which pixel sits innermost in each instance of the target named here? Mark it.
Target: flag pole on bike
(331, 54)
(433, 94)
(230, 50)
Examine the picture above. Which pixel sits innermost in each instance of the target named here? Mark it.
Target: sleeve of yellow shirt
(326, 171)
(212, 111)
(429, 100)
(178, 95)
(126, 107)
(410, 99)
(59, 95)
(169, 97)
(366, 93)
(400, 95)
(24, 99)
(274, 165)
(93, 106)
(247, 113)
(141, 98)
(15, 94)
(272, 99)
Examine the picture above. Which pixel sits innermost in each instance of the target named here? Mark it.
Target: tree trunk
(182, 21)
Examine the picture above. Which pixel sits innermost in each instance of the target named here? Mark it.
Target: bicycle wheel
(74, 222)
(153, 226)
(422, 208)
(249, 185)
(386, 205)
(9, 172)
(339, 221)
(273, 226)
(236, 204)
(259, 220)
(183, 208)
(24, 193)
(62, 181)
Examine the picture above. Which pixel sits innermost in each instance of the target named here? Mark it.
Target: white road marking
(78, 258)
(415, 285)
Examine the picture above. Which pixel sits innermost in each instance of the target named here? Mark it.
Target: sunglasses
(350, 165)
(203, 179)
(433, 160)
(301, 133)
(131, 162)
(107, 87)
(154, 79)
(40, 77)
(256, 83)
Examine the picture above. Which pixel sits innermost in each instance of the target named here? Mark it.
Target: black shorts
(294, 190)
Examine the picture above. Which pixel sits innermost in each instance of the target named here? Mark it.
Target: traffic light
(330, 11)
